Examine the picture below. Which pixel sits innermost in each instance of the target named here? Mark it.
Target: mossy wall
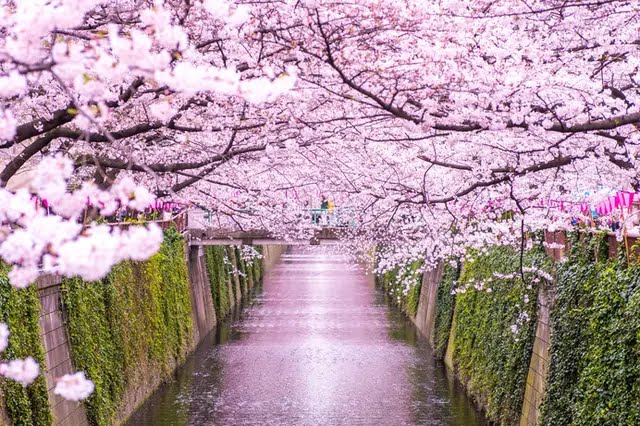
(594, 355)
(594, 376)
(403, 285)
(230, 276)
(20, 310)
(445, 302)
(495, 322)
(219, 279)
(129, 331)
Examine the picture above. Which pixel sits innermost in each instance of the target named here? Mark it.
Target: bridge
(208, 237)
(325, 228)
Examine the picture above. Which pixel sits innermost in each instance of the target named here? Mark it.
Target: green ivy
(445, 302)
(133, 325)
(219, 279)
(257, 267)
(413, 299)
(594, 376)
(96, 346)
(394, 283)
(232, 271)
(491, 360)
(242, 271)
(20, 310)
(222, 262)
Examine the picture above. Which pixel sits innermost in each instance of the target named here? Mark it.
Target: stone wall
(57, 352)
(203, 311)
(54, 334)
(271, 254)
(539, 366)
(425, 315)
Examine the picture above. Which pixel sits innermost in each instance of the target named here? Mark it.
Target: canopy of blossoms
(442, 124)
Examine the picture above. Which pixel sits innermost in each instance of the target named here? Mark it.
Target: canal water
(318, 345)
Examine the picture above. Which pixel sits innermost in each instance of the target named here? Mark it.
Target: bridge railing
(179, 220)
(336, 217)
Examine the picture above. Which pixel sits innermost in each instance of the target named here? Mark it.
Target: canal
(317, 346)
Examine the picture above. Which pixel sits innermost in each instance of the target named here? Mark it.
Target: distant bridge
(212, 237)
(325, 228)
(199, 231)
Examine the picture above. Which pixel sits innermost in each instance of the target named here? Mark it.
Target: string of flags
(606, 206)
(158, 205)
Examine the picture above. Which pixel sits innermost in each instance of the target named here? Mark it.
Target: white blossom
(74, 387)
(4, 336)
(23, 371)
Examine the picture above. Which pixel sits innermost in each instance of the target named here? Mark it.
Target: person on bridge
(330, 211)
(324, 207)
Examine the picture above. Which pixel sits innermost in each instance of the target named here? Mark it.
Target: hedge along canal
(318, 345)
(561, 347)
(127, 332)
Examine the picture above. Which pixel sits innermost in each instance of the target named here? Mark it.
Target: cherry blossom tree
(443, 124)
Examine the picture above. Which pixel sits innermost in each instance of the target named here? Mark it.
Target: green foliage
(19, 309)
(491, 359)
(403, 285)
(222, 263)
(96, 346)
(232, 272)
(130, 327)
(445, 302)
(242, 271)
(257, 267)
(594, 377)
(413, 299)
(219, 279)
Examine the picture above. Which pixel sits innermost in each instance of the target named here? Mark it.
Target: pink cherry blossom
(23, 371)
(74, 387)
(4, 336)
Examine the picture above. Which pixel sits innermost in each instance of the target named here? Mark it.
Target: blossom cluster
(37, 241)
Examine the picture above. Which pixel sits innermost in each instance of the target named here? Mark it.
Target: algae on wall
(20, 310)
(131, 329)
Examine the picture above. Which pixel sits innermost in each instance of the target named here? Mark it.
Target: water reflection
(319, 345)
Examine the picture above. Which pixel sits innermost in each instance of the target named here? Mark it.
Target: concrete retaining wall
(539, 365)
(426, 313)
(57, 352)
(203, 318)
(203, 311)
(58, 360)
(271, 254)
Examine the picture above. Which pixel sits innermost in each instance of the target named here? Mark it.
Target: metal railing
(336, 217)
